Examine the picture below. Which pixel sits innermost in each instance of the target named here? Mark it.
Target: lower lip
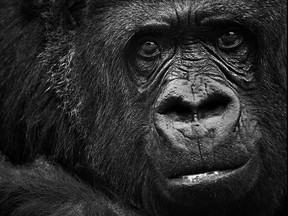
(212, 187)
(213, 177)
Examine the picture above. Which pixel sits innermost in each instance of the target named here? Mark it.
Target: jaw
(207, 194)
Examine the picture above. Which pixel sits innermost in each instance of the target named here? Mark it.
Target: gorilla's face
(182, 101)
(197, 63)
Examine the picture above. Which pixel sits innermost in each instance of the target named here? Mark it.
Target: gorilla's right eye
(146, 52)
(149, 49)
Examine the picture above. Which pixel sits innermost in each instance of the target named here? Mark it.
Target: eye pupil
(230, 39)
(149, 47)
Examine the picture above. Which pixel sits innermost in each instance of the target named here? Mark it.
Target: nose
(197, 109)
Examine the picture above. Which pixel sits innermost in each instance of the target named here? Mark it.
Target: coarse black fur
(74, 130)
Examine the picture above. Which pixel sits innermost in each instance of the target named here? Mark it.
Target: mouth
(212, 186)
(201, 178)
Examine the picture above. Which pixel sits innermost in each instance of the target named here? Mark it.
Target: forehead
(125, 17)
(169, 10)
(191, 5)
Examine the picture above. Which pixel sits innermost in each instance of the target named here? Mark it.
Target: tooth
(197, 177)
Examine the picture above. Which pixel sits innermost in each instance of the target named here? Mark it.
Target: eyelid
(143, 39)
(224, 30)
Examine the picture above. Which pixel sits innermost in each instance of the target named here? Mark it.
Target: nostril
(213, 106)
(175, 106)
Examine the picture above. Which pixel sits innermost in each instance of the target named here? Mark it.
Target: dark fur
(50, 72)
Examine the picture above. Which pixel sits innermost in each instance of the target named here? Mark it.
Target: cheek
(249, 130)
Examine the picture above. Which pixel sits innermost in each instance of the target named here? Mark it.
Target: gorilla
(143, 107)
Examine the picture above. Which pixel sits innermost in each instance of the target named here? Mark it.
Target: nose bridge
(193, 53)
(194, 64)
(200, 88)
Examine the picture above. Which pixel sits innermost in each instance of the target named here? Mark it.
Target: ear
(68, 13)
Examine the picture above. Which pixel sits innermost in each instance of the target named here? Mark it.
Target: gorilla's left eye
(149, 49)
(230, 39)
